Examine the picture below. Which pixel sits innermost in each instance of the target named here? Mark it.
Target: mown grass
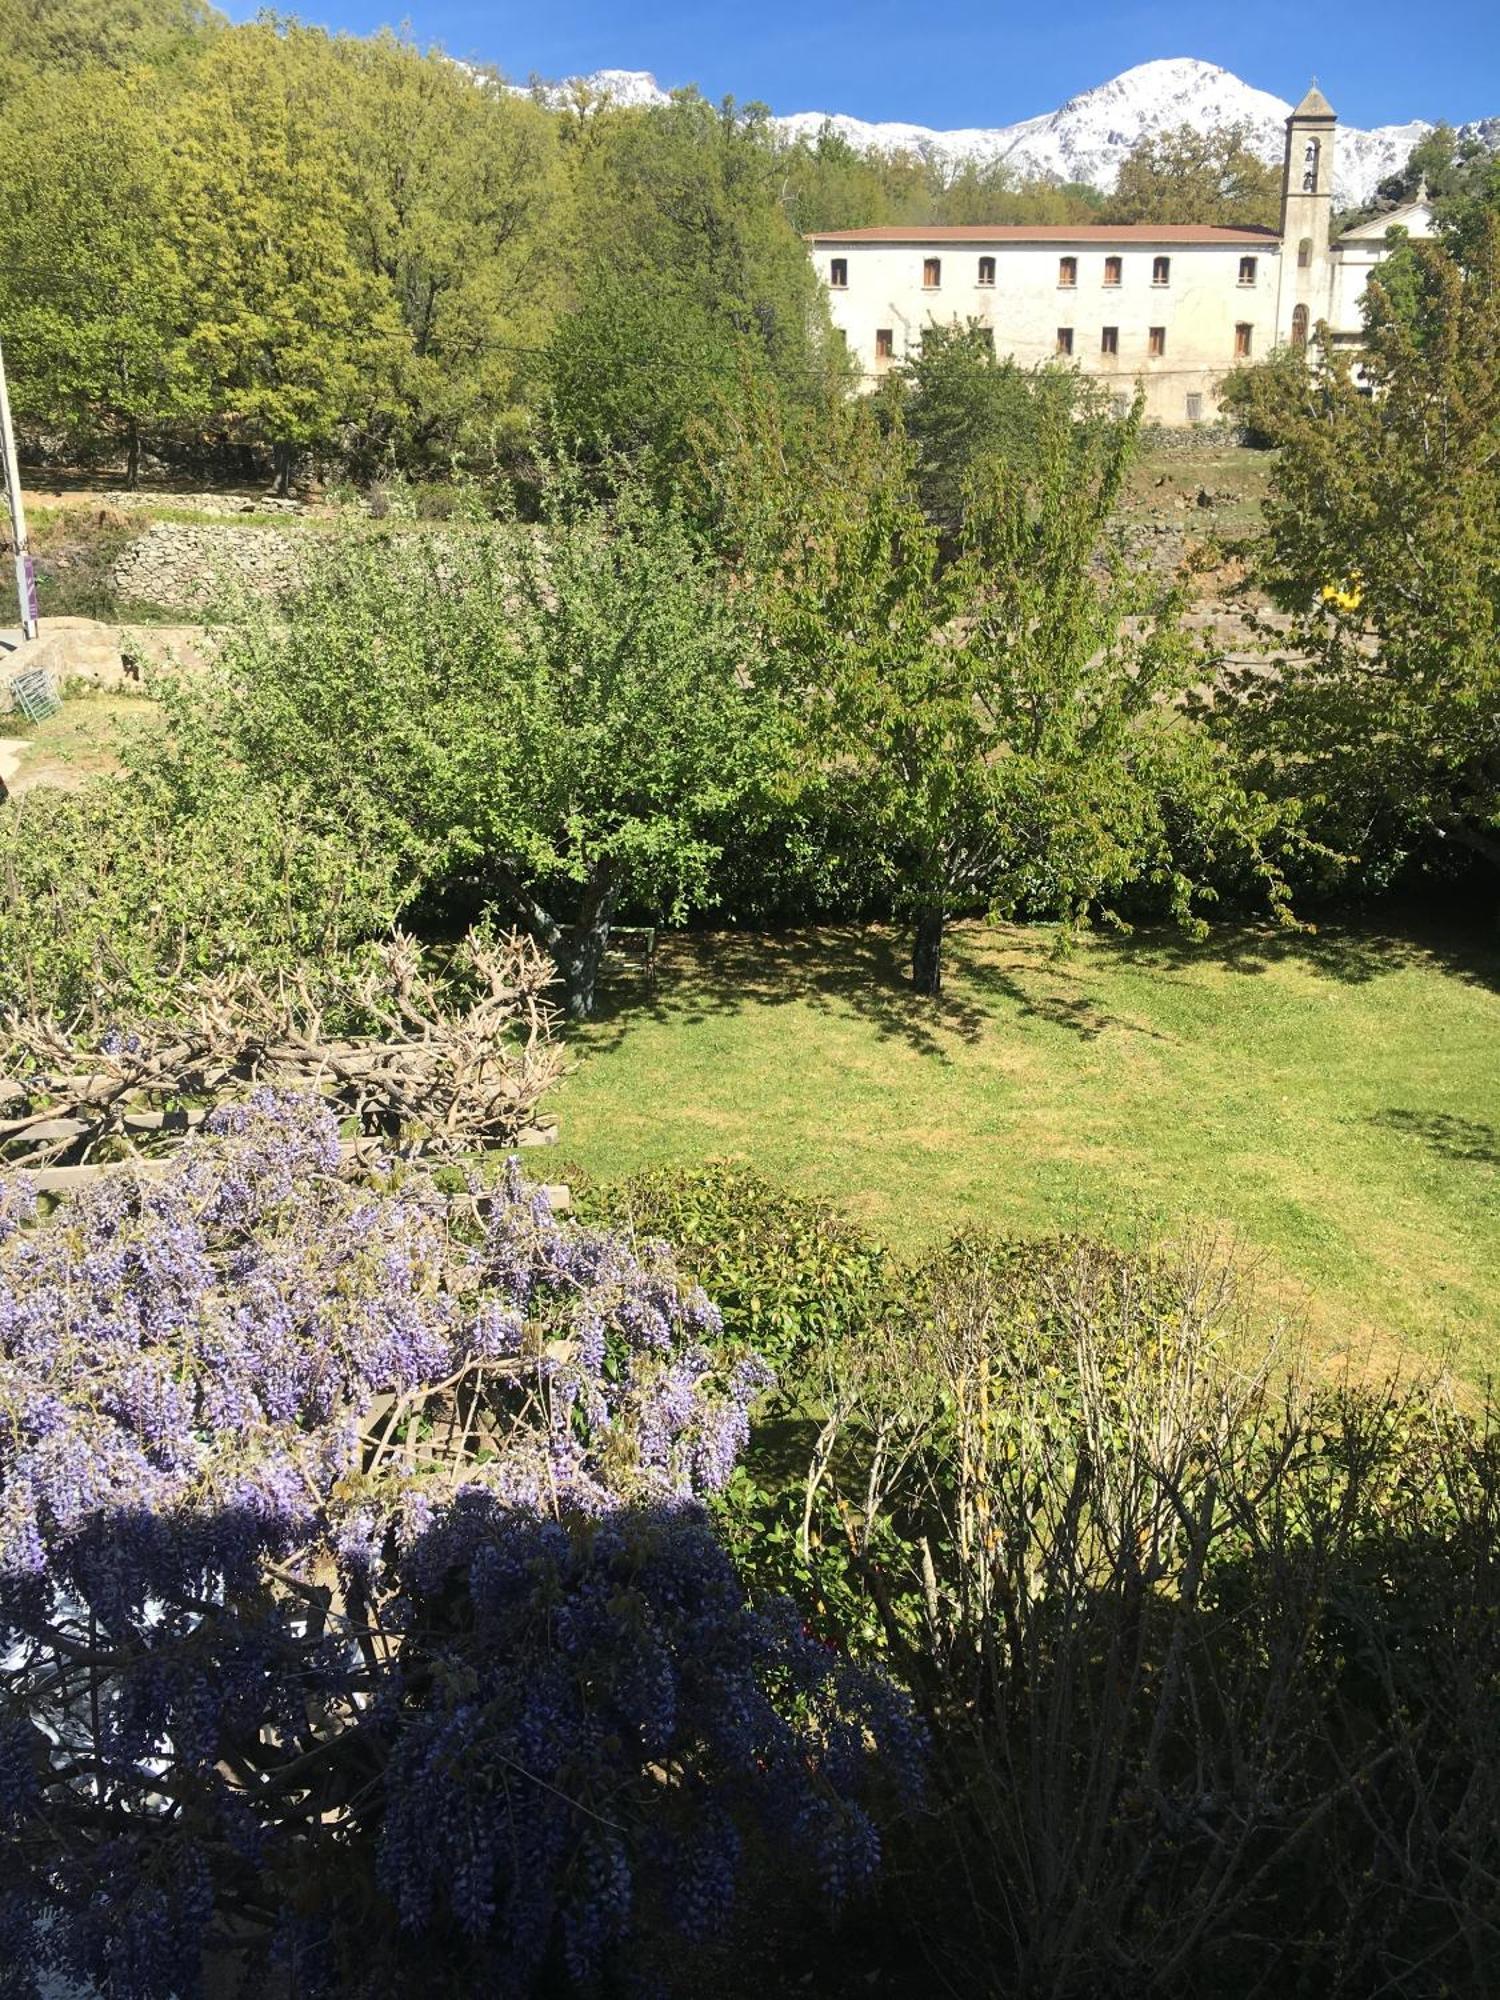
(1331, 1102)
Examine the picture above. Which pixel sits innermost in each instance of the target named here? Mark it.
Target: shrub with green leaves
(789, 1274)
(1208, 1647)
(565, 720)
(112, 894)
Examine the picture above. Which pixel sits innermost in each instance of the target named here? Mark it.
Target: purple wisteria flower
(352, 1557)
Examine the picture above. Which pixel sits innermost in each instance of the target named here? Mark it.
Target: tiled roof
(1123, 233)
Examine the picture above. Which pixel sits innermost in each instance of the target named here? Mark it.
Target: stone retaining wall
(188, 568)
(203, 503)
(1195, 438)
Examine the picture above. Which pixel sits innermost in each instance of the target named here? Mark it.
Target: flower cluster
(355, 1523)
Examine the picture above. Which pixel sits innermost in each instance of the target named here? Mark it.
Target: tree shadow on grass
(1354, 954)
(845, 969)
(995, 973)
(1454, 1138)
(858, 971)
(1023, 988)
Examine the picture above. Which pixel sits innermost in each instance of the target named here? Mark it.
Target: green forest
(355, 253)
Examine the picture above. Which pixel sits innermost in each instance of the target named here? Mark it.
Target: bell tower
(1305, 293)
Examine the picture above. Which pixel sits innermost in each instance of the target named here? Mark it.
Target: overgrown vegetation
(264, 245)
(1200, 1649)
(1380, 542)
(112, 895)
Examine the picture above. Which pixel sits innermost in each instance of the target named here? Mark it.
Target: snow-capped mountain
(1088, 137)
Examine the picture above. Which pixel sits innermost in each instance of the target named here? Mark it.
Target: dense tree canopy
(687, 273)
(97, 305)
(459, 211)
(352, 251)
(295, 336)
(1197, 174)
(1382, 543)
(563, 720)
(39, 36)
(1006, 717)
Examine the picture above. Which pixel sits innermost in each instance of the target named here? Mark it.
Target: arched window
(1310, 167)
(1299, 326)
(1304, 253)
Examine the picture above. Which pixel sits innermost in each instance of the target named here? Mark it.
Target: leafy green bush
(111, 894)
(563, 719)
(789, 1275)
(1210, 1653)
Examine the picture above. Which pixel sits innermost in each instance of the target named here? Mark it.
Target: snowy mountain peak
(637, 89)
(1086, 138)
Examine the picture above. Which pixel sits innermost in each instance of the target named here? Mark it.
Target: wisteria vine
(355, 1586)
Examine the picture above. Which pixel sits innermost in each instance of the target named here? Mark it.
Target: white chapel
(1173, 306)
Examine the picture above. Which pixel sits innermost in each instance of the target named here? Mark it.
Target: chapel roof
(1314, 105)
(1126, 234)
(1415, 217)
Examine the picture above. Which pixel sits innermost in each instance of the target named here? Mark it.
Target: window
(885, 344)
(1310, 167)
(1067, 270)
(1243, 337)
(1109, 340)
(838, 273)
(1121, 405)
(1195, 409)
(1161, 270)
(1299, 326)
(932, 273)
(1247, 270)
(1065, 340)
(986, 270)
(1304, 253)
(1156, 340)
(1114, 270)
(986, 334)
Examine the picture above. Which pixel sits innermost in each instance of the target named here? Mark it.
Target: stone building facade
(1172, 307)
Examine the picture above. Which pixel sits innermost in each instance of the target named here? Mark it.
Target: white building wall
(1199, 308)
(1301, 282)
(1352, 265)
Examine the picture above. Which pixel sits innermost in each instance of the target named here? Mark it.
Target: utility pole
(25, 574)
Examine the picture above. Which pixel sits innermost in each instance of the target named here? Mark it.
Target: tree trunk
(132, 456)
(1485, 845)
(927, 952)
(590, 942)
(281, 459)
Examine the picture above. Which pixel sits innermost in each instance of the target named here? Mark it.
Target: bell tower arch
(1306, 209)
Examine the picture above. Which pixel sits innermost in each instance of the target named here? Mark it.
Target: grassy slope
(85, 739)
(1333, 1101)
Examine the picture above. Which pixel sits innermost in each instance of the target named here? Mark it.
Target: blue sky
(973, 62)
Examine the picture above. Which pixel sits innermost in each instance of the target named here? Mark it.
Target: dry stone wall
(184, 567)
(205, 503)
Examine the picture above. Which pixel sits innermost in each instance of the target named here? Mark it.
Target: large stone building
(1173, 306)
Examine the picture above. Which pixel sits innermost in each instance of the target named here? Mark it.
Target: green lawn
(1333, 1101)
